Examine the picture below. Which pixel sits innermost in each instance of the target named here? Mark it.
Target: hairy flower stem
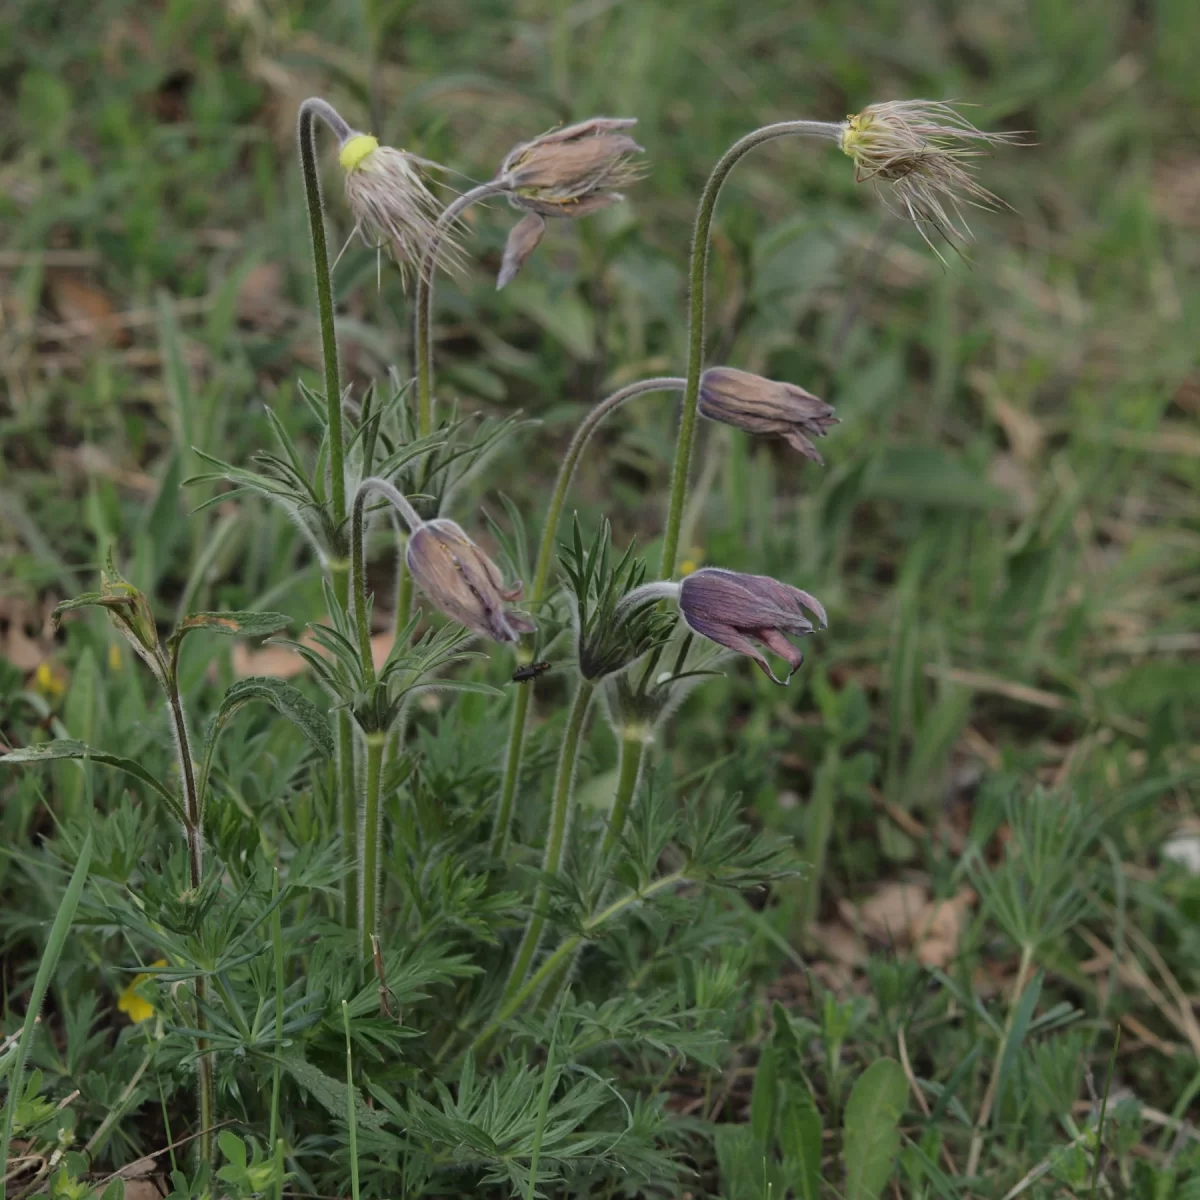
(358, 570)
(560, 813)
(195, 846)
(697, 310)
(423, 300)
(309, 111)
(566, 948)
(541, 572)
(629, 771)
(372, 822)
(347, 787)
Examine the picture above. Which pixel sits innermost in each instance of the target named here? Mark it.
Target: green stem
(567, 947)
(560, 814)
(423, 300)
(358, 569)
(628, 773)
(347, 783)
(697, 306)
(310, 110)
(195, 846)
(541, 573)
(376, 743)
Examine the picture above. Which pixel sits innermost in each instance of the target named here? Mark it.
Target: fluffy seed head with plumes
(392, 207)
(917, 154)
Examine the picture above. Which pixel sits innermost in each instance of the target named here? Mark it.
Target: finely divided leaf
(232, 624)
(286, 701)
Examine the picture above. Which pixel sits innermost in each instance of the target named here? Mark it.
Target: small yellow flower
(132, 1003)
(48, 683)
(692, 562)
(114, 657)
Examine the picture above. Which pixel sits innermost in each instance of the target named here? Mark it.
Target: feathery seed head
(920, 149)
(391, 204)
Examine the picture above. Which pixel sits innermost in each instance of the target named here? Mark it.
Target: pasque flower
(569, 172)
(760, 405)
(919, 151)
(392, 207)
(463, 582)
(736, 610)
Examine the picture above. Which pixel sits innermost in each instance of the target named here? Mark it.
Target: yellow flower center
(854, 134)
(355, 149)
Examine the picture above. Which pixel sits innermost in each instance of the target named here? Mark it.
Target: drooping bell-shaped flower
(736, 610)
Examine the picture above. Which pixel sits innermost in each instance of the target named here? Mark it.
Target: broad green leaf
(286, 701)
(872, 1126)
(232, 624)
(800, 1139)
(763, 1097)
(1022, 1015)
(68, 748)
(81, 715)
(41, 983)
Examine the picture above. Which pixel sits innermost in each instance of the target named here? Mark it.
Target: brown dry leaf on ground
(904, 916)
(23, 636)
(80, 300)
(282, 662)
(937, 931)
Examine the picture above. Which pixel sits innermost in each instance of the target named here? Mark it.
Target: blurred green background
(1006, 533)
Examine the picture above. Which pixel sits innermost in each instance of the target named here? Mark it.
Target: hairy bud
(523, 240)
(760, 405)
(463, 582)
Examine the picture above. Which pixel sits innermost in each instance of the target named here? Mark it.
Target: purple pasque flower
(463, 583)
(736, 610)
(757, 405)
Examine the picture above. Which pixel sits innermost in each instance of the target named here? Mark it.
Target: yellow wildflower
(48, 683)
(132, 1002)
(114, 657)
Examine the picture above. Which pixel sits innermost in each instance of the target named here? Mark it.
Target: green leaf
(763, 1098)
(286, 701)
(1022, 1015)
(232, 1147)
(331, 1094)
(41, 983)
(232, 624)
(872, 1127)
(800, 1139)
(81, 715)
(68, 748)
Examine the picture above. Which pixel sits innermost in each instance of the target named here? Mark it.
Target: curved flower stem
(697, 306)
(376, 744)
(358, 570)
(347, 787)
(560, 813)
(310, 110)
(566, 948)
(423, 300)
(541, 572)
(629, 772)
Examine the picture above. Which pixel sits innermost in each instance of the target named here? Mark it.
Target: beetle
(530, 671)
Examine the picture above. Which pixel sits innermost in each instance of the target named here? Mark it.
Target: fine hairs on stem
(541, 574)
(310, 111)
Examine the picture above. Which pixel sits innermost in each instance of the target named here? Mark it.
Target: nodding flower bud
(463, 582)
(569, 172)
(392, 207)
(760, 405)
(918, 149)
(730, 609)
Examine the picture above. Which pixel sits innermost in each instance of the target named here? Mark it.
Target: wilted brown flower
(523, 239)
(919, 149)
(463, 582)
(569, 172)
(730, 608)
(760, 405)
(392, 207)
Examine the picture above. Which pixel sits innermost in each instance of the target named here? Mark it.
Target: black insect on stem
(529, 672)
